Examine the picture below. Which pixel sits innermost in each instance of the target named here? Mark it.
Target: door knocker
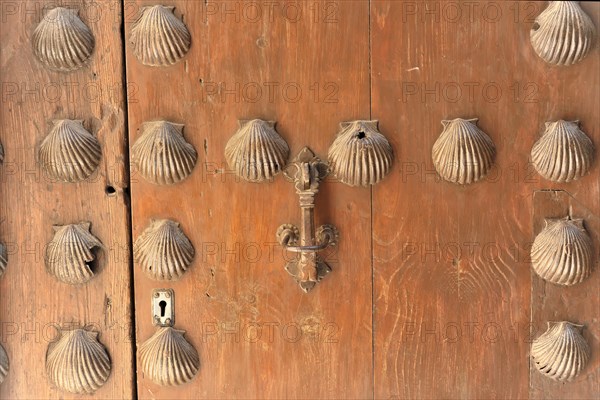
(359, 156)
(306, 172)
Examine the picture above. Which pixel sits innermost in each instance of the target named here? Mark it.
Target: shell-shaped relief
(562, 253)
(3, 258)
(168, 358)
(463, 153)
(360, 155)
(61, 41)
(77, 362)
(69, 153)
(69, 254)
(161, 154)
(159, 38)
(4, 364)
(561, 352)
(564, 153)
(256, 152)
(563, 33)
(163, 250)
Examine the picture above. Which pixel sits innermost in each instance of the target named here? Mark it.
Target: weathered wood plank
(572, 93)
(257, 334)
(32, 302)
(452, 273)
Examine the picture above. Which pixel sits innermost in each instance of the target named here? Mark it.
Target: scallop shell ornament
(159, 38)
(69, 254)
(463, 153)
(3, 258)
(168, 358)
(69, 153)
(4, 364)
(61, 41)
(256, 152)
(561, 352)
(161, 154)
(360, 155)
(562, 253)
(163, 250)
(77, 362)
(564, 153)
(563, 33)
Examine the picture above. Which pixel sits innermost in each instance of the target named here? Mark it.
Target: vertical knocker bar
(307, 171)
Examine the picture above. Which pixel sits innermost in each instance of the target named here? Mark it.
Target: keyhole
(361, 135)
(163, 307)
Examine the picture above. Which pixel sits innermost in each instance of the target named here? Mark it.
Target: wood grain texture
(32, 302)
(456, 303)
(452, 273)
(258, 335)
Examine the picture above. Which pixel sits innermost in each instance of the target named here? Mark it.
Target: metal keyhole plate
(163, 307)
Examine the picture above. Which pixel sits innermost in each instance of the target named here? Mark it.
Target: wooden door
(456, 304)
(247, 318)
(34, 306)
(431, 293)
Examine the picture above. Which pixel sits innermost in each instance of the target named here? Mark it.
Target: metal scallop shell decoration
(168, 358)
(256, 152)
(563, 33)
(3, 258)
(163, 250)
(161, 154)
(77, 362)
(69, 254)
(463, 153)
(159, 38)
(562, 253)
(360, 155)
(61, 41)
(69, 153)
(561, 352)
(564, 153)
(4, 364)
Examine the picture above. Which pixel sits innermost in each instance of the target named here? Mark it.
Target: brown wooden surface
(32, 302)
(453, 288)
(315, 345)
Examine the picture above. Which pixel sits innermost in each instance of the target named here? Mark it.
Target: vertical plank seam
(371, 222)
(128, 204)
(531, 299)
